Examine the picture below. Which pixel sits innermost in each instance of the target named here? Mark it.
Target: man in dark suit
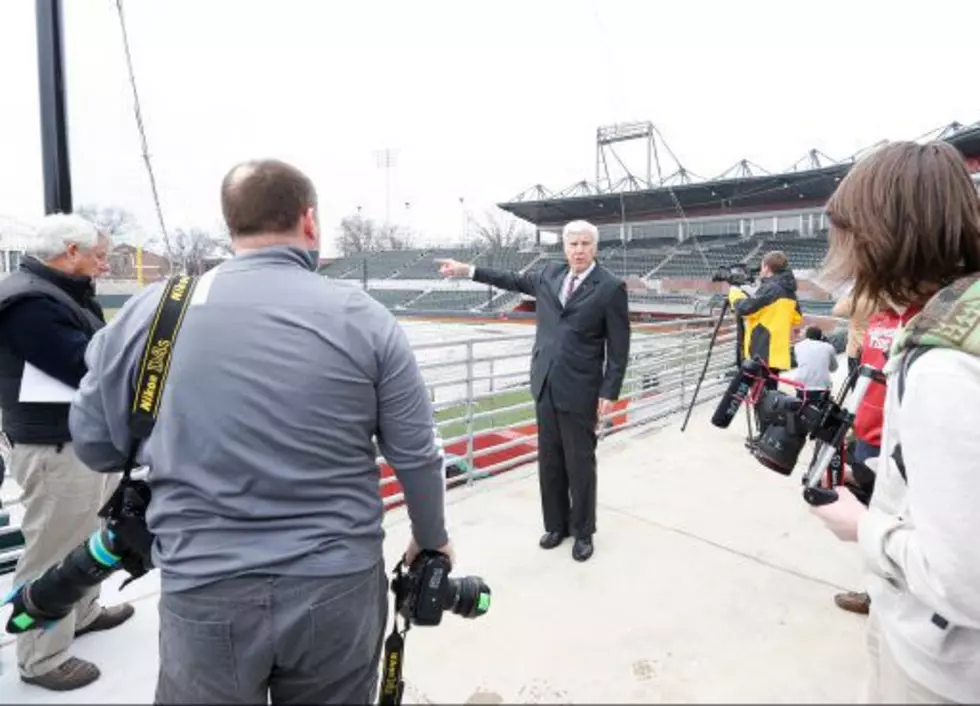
(577, 365)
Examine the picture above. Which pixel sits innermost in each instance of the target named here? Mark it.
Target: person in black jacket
(579, 358)
(48, 315)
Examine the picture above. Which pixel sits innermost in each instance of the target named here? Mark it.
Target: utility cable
(142, 132)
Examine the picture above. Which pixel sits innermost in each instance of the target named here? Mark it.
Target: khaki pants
(888, 682)
(61, 499)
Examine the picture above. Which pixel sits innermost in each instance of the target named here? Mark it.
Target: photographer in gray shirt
(816, 361)
(266, 505)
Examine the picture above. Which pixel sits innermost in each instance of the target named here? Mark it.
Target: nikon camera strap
(392, 684)
(155, 362)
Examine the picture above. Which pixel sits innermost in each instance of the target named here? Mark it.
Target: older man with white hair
(48, 315)
(577, 365)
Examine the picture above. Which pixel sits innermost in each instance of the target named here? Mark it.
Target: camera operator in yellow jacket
(771, 314)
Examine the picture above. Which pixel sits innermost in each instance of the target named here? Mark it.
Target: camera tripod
(726, 307)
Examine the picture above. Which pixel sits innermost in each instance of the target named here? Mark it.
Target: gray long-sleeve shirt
(815, 361)
(262, 459)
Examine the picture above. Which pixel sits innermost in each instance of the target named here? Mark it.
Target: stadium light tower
(608, 135)
(463, 221)
(386, 159)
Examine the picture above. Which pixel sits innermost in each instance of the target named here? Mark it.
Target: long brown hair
(903, 223)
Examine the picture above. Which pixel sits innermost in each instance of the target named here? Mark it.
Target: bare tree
(498, 230)
(363, 235)
(396, 238)
(112, 220)
(196, 249)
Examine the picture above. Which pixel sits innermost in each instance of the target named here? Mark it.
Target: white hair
(580, 228)
(60, 230)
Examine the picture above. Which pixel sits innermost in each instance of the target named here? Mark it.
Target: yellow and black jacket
(770, 315)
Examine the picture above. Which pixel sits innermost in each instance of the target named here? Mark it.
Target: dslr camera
(425, 591)
(124, 543)
(422, 595)
(737, 275)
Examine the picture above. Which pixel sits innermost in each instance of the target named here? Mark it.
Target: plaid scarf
(951, 319)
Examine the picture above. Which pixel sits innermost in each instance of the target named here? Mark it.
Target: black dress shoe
(550, 540)
(582, 549)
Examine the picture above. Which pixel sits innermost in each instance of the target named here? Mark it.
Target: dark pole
(51, 82)
(490, 286)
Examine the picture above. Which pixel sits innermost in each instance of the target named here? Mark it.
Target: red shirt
(878, 338)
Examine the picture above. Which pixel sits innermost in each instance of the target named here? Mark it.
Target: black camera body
(425, 591)
(736, 275)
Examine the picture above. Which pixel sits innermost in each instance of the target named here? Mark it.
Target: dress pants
(61, 499)
(566, 467)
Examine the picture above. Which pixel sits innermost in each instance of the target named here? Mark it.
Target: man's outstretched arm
(526, 282)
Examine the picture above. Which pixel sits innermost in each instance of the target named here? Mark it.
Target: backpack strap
(903, 371)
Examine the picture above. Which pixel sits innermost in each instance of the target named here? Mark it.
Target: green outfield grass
(506, 418)
(109, 313)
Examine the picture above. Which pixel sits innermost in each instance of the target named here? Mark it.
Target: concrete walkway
(711, 582)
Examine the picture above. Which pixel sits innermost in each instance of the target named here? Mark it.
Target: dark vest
(31, 422)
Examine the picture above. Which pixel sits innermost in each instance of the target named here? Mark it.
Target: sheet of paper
(37, 386)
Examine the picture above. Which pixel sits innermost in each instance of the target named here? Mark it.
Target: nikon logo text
(158, 357)
(149, 392)
(179, 290)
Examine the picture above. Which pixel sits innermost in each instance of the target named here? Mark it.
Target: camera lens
(468, 597)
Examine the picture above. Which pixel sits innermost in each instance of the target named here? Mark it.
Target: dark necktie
(569, 289)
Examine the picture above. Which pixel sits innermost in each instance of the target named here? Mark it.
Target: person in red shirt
(878, 337)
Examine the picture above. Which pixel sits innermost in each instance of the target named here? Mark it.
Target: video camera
(422, 595)
(737, 275)
(124, 543)
(789, 421)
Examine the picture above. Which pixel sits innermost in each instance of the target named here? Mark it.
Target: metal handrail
(665, 357)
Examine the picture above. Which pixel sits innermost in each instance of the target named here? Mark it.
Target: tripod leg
(707, 359)
(739, 359)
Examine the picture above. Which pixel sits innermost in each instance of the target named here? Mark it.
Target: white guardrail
(480, 390)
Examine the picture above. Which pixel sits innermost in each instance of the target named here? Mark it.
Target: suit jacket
(581, 350)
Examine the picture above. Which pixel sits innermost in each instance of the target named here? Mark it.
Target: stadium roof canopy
(793, 190)
(717, 197)
(967, 141)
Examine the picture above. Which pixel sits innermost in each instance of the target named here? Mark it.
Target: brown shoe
(73, 673)
(108, 619)
(853, 602)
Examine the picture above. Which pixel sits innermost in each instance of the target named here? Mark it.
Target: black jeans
(815, 396)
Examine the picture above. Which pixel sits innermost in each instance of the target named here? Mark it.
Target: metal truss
(613, 181)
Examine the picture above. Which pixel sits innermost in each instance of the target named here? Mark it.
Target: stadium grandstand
(664, 236)
(15, 237)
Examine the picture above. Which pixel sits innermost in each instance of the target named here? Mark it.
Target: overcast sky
(480, 99)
